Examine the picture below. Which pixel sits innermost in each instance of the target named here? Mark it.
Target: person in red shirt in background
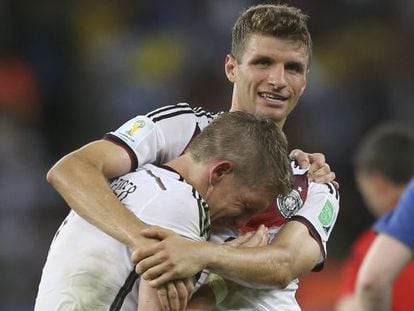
(384, 164)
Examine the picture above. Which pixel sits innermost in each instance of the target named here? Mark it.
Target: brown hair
(257, 148)
(281, 21)
(388, 149)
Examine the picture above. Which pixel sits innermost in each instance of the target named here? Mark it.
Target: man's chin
(274, 115)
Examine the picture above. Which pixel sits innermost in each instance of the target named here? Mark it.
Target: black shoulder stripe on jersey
(116, 140)
(332, 190)
(157, 180)
(167, 108)
(124, 291)
(203, 215)
(200, 113)
(196, 132)
(173, 114)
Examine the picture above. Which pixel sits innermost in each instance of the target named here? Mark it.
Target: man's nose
(277, 76)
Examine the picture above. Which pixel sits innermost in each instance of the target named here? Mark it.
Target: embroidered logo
(289, 204)
(326, 216)
(136, 126)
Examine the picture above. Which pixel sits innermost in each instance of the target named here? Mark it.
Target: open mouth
(272, 98)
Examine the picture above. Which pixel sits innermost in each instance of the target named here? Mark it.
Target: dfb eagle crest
(289, 204)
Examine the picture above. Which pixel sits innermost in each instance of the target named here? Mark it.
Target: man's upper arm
(382, 264)
(305, 235)
(385, 259)
(109, 158)
(319, 214)
(303, 249)
(159, 136)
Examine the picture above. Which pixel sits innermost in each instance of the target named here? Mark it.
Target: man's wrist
(207, 254)
(213, 255)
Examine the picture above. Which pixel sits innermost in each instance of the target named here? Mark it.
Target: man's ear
(219, 170)
(229, 67)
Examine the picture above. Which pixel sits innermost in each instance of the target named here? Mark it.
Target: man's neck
(192, 172)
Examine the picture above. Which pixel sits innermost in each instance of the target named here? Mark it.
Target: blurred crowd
(70, 71)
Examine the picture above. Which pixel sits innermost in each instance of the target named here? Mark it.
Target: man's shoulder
(152, 181)
(172, 112)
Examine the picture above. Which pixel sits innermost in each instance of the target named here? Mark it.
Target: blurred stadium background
(72, 70)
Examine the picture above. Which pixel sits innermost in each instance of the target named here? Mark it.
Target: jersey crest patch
(135, 130)
(289, 204)
(136, 126)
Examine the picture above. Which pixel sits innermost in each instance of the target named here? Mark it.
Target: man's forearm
(382, 264)
(86, 191)
(374, 298)
(292, 253)
(261, 265)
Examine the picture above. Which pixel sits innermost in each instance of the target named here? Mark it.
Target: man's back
(86, 269)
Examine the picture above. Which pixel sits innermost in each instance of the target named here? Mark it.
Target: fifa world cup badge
(289, 204)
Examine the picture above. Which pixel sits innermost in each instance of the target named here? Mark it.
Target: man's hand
(172, 258)
(251, 239)
(175, 295)
(319, 170)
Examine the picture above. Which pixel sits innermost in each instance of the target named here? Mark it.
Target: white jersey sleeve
(319, 212)
(162, 134)
(315, 205)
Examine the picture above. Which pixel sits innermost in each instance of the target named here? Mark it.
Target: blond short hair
(256, 146)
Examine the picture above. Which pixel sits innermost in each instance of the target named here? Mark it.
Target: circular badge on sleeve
(289, 204)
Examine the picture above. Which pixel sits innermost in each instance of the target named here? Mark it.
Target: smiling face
(269, 77)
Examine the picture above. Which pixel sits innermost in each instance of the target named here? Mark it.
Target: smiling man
(271, 50)
(268, 73)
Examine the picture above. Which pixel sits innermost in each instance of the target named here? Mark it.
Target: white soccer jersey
(87, 269)
(163, 134)
(316, 206)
